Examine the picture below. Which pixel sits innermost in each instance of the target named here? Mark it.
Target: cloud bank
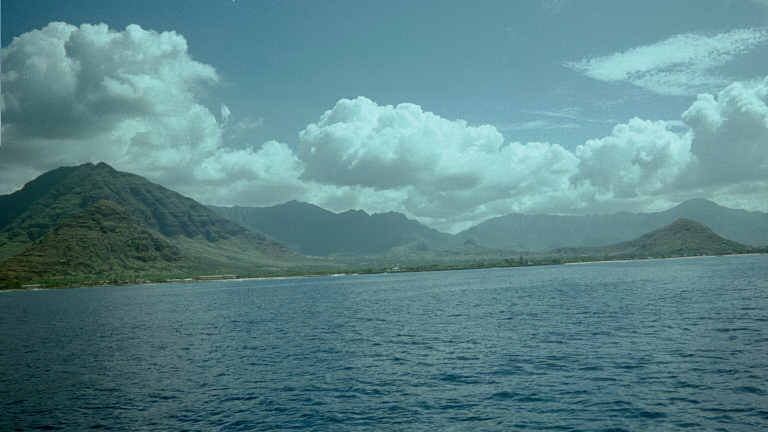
(681, 65)
(130, 98)
(133, 97)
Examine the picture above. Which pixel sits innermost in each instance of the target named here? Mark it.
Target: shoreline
(235, 278)
(662, 258)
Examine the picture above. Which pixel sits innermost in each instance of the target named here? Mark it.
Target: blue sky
(548, 106)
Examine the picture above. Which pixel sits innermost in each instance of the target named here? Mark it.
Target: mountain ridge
(683, 237)
(545, 232)
(49, 199)
(312, 230)
(517, 232)
(204, 239)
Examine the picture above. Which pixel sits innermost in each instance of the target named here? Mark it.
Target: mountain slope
(202, 236)
(316, 231)
(683, 237)
(103, 239)
(546, 232)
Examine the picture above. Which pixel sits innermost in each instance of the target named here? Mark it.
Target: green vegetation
(92, 225)
(102, 240)
(59, 194)
(683, 237)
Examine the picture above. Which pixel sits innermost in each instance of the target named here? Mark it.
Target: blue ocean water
(646, 345)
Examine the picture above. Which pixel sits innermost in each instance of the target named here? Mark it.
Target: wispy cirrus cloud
(681, 65)
(534, 125)
(569, 114)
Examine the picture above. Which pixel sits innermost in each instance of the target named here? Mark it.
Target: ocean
(678, 344)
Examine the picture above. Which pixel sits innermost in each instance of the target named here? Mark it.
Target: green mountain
(71, 206)
(102, 239)
(315, 231)
(546, 232)
(683, 237)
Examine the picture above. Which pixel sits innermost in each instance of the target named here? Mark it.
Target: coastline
(425, 268)
(662, 258)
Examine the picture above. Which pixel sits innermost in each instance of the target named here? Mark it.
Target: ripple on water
(663, 345)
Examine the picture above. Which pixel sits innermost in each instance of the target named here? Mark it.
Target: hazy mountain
(683, 237)
(315, 231)
(48, 204)
(546, 232)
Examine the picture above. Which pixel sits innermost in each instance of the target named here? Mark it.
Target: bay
(644, 345)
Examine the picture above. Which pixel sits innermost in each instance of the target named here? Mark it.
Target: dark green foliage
(94, 220)
(103, 239)
(17, 203)
(48, 200)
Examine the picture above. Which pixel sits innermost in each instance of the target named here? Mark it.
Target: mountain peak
(685, 225)
(97, 210)
(316, 231)
(57, 195)
(683, 237)
(697, 204)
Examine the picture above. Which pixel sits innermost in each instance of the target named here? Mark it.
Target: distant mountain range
(683, 237)
(313, 230)
(547, 232)
(92, 218)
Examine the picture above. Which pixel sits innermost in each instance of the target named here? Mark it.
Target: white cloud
(250, 177)
(680, 65)
(537, 125)
(225, 114)
(130, 98)
(730, 134)
(639, 158)
(91, 93)
(444, 170)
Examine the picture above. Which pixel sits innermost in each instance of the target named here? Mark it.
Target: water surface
(645, 345)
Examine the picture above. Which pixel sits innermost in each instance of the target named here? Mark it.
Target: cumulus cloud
(444, 169)
(90, 93)
(265, 176)
(639, 158)
(450, 174)
(730, 134)
(130, 98)
(680, 65)
(361, 143)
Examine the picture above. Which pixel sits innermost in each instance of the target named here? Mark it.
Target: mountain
(546, 232)
(102, 239)
(315, 231)
(683, 237)
(70, 205)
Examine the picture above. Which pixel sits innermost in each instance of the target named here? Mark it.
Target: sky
(451, 112)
